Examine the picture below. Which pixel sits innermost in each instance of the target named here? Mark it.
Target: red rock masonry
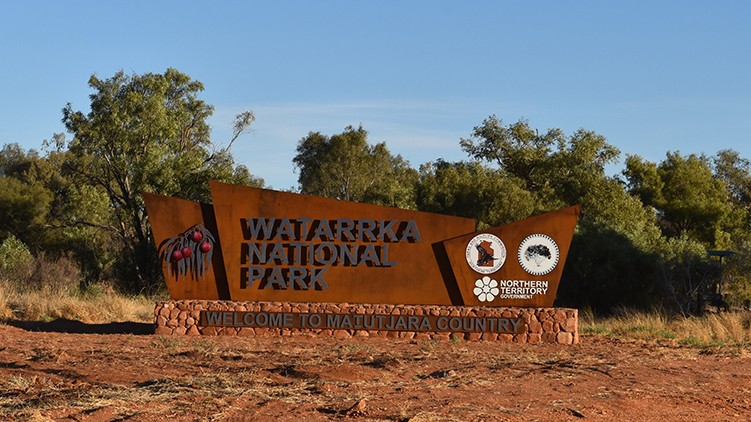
(540, 325)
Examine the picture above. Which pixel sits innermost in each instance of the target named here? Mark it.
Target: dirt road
(51, 375)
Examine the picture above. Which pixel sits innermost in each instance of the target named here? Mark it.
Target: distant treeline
(652, 236)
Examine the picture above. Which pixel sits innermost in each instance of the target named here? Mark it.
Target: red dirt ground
(46, 374)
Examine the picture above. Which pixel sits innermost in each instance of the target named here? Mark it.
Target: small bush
(56, 276)
(16, 262)
(22, 272)
(44, 289)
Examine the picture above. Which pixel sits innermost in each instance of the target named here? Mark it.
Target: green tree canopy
(617, 236)
(735, 171)
(16, 162)
(345, 166)
(471, 189)
(687, 196)
(517, 149)
(58, 215)
(561, 170)
(147, 133)
(23, 209)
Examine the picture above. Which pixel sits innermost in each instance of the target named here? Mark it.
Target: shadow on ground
(78, 327)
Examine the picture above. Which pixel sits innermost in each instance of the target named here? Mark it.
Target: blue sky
(650, 76)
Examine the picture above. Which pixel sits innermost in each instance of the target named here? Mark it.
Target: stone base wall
(531, 325)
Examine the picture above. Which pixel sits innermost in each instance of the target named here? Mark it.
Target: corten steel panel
(419, 274)
(558, 226)
(172, 217)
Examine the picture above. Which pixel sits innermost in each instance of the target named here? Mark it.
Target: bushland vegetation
(673, 235)
(46, 288)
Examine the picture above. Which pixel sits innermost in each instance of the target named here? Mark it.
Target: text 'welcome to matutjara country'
(372, 322)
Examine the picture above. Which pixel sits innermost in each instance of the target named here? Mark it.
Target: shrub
(16, 262)
(737, 275)
(56, 276)
(606, 270)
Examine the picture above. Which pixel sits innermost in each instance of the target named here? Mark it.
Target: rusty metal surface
(399, 266)
(285, 247)
(171, 217)
(557, 226)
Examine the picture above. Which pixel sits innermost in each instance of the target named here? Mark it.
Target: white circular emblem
(486, 253)
(538, 254)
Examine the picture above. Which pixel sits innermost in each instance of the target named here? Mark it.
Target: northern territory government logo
(486, 289)
(486, 253)
(538, 254)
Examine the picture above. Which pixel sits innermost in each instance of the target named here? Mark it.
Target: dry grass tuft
(7, 295)
(716, 329)
(42, 288)
(723, 329)
(49, 304)
(45, 306)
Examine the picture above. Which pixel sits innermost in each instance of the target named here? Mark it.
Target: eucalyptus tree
(346, 166)
(24, 208)
(561, 170)
(147, 132)
(612, 260)
(688, 198)
(472, 189)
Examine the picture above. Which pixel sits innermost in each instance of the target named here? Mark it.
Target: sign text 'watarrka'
(284, 253)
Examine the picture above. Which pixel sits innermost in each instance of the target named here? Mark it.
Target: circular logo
(486, 289)
(538, 254)
(486, 253)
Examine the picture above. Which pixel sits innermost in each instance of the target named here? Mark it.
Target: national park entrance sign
(260, 260)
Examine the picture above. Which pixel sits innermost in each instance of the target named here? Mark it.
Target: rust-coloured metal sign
(264, 245)
(187, 227)
(281, 246)
(518, 264)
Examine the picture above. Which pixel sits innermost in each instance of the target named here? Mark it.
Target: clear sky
(651, 76)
